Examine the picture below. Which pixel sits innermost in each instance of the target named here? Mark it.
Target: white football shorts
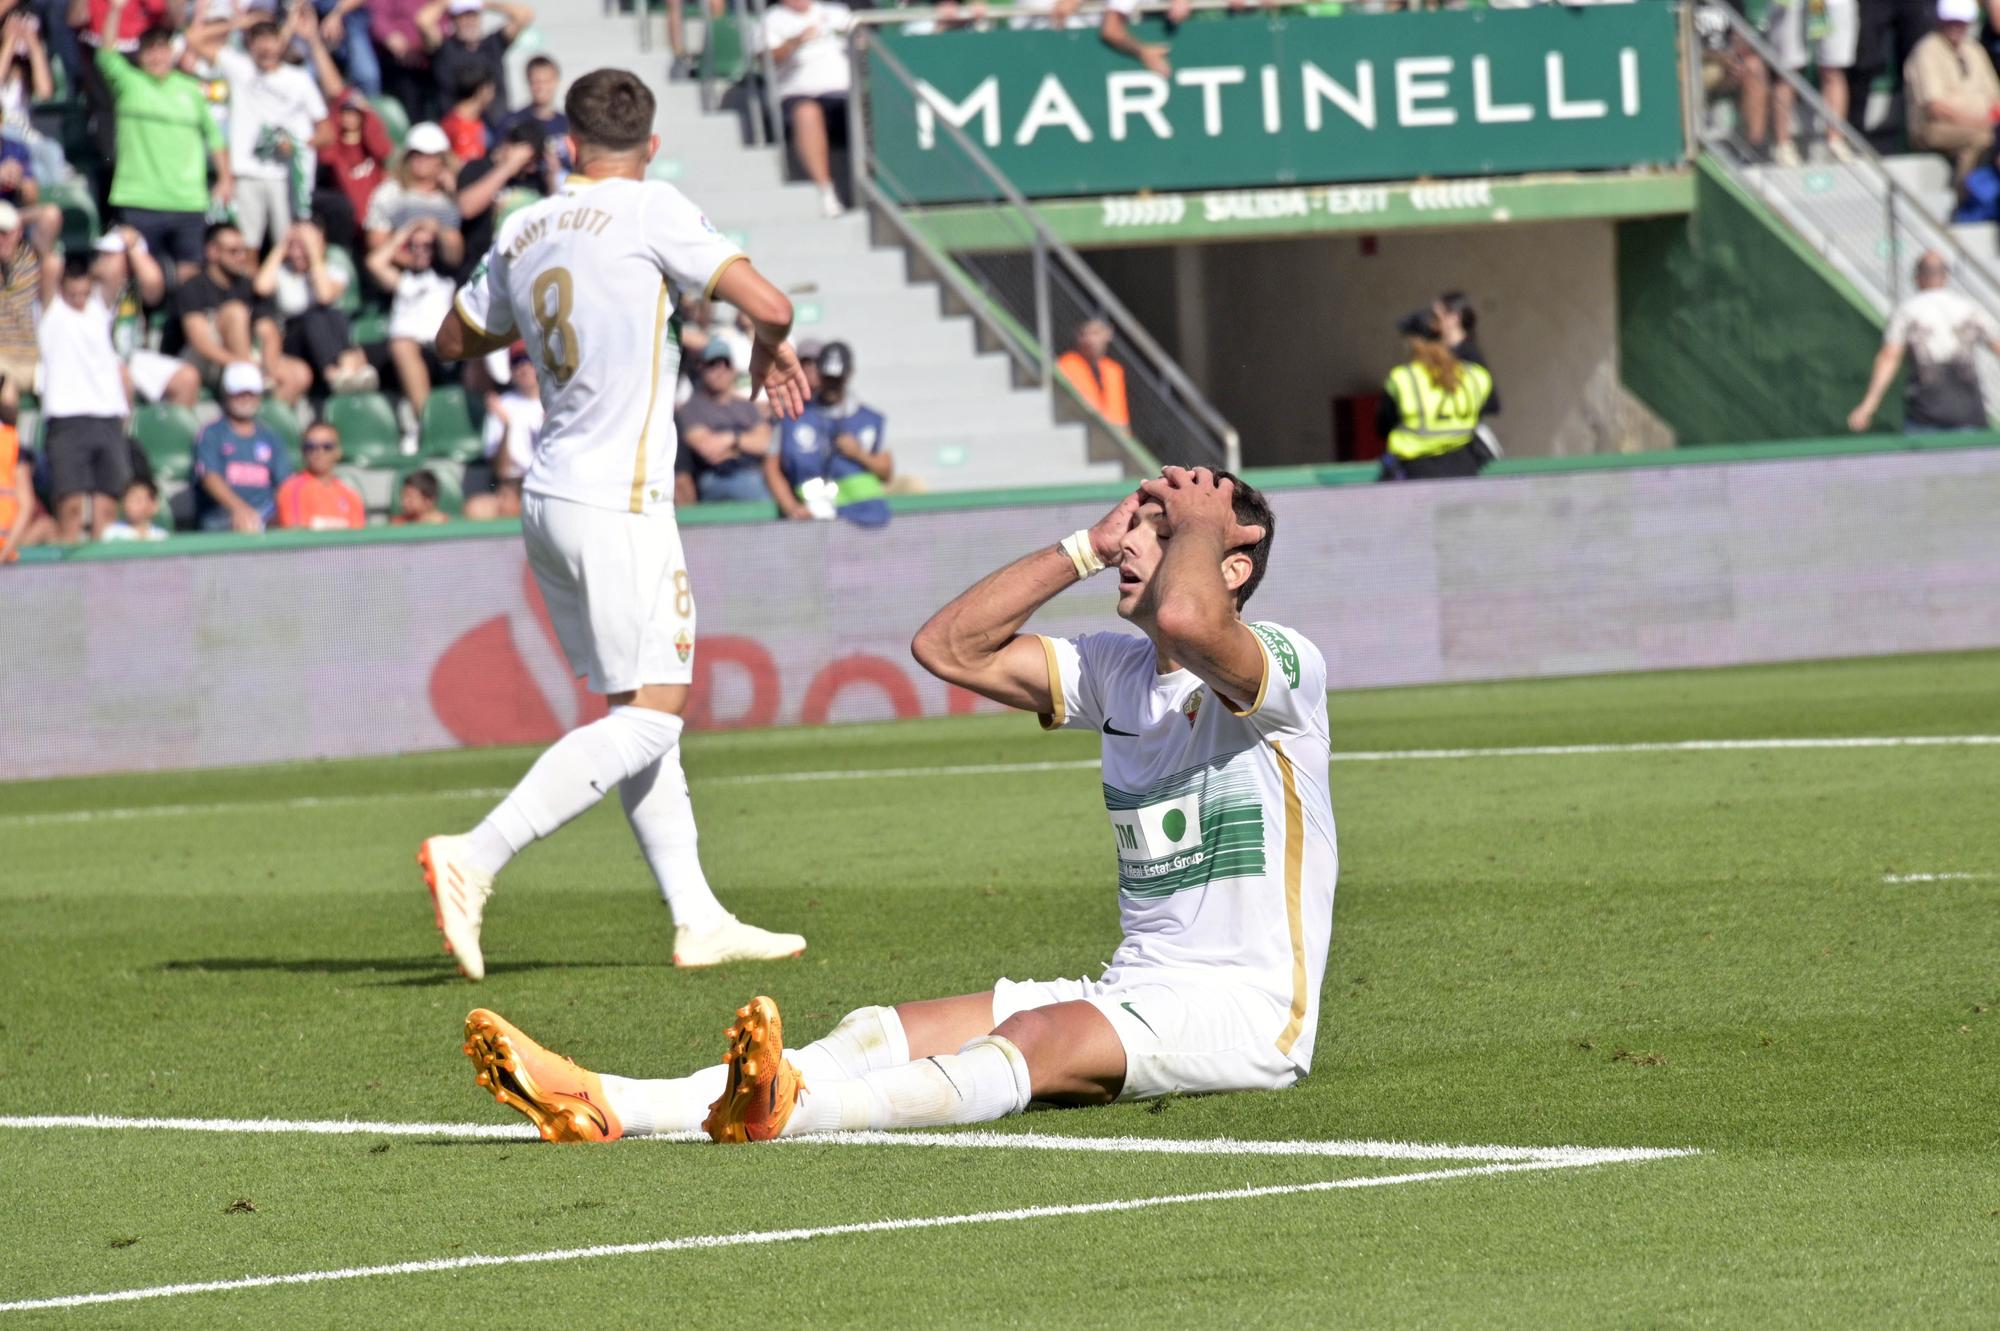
(616, 586)
(1180, 1037)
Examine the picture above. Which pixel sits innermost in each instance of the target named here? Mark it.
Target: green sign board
(1256, 101)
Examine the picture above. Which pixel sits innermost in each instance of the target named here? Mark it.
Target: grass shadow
(420, 971)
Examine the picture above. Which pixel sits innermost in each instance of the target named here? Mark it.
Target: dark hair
(216, 229)
(543, 62)
(1252, 510)
(530, 131)
(262, 29)
(143, 483)
(152, 37)
(470, 80)
(610, 109)
(424, 481)
(80, 264)
(1460, 304)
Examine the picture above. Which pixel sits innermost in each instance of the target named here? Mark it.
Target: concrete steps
(955, 418)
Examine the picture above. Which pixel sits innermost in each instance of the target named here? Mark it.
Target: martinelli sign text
(1261, 101)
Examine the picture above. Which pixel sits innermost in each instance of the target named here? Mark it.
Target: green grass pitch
(1716, 949)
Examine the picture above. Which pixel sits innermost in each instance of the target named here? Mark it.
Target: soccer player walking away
(589, 278)
(1215, 754)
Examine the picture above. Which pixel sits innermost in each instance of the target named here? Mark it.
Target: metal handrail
(1969, 267)
(1047, 247)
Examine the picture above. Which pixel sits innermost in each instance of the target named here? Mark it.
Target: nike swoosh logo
(1110, 729)
(1136, 1017)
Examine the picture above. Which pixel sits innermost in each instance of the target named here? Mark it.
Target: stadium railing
(1023, 302)
(1865, 223)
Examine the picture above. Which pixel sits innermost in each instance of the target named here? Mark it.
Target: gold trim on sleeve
(708, 292)
(459, 309)
(1295, 854)
(652, 398)
(1263, 681)
(1053, 719)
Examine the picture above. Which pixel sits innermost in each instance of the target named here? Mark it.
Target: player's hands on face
(776, 372)
(1108, 536)
(1196, 500)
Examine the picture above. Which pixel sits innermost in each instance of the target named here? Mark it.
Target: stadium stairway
(956, 420)
(1928, 177)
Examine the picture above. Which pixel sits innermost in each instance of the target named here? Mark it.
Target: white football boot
(458, 892)
(733, 940)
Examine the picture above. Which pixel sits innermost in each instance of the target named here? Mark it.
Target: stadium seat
(369, 435)
(448, 431)
(394, 118)
(451, 484)
(166, 435)
(370, 326)
(285, 423)
(726, 55)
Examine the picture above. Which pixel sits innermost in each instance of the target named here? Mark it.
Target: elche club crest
(1192, 707)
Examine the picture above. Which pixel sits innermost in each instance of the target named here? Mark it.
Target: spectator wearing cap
(1952, 91)
(137, 511)
(724, 436)
(455, 31)
(809, 349)
(417, 506)
(29, 275)
(512, 432)
(804, 38)
(166, 139)
(239, 461)
(83, 398)
(1430, 407)
(544, 81)
(522, 168)
(315, 499)
(418, 190)
(278, 119)
(831, 462)
(219, 319)
(1097, 378)
(352, 165)
(133, 286)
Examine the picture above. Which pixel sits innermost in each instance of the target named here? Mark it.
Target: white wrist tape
(1082, 554)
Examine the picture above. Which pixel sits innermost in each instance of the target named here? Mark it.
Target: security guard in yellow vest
(1430, 408)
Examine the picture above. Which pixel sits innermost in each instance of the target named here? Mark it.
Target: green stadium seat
(166, 435)
(370, 326)
(725, 55)
(79, 210)
(340, 261)
(369, 435)
(448, 431)
(394, 118)
(284, 422)
(451, 484)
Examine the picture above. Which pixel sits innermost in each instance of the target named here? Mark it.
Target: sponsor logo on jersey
(1282, 651)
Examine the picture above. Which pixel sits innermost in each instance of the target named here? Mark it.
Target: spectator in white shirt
(84, 400)
(513, 427)
(804, 38)
(142, 504)
(406, 265)
(277, 118)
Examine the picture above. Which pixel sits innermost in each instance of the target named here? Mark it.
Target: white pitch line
(1937, 877)
(768, 1236)
(1012, 1141)
(310, 802)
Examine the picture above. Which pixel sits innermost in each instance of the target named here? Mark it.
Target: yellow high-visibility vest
(1434, 421)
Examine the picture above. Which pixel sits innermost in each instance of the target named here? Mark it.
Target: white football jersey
(591, 278)
(1223, 821)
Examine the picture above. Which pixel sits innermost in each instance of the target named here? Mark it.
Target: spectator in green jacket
(166, 138)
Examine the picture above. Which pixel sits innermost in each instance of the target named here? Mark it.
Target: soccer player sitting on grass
(1215, 753)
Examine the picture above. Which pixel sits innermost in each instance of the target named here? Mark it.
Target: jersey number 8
(555, 300)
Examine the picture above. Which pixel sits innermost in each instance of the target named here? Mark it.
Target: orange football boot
(763, 1086)
(565, 1102)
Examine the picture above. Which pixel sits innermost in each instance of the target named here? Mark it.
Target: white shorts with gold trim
(616, 587)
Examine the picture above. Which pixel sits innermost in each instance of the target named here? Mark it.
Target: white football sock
(576, 772)
(986, 1080)
(678, 1104)
(662, 817)
(868, 1039)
